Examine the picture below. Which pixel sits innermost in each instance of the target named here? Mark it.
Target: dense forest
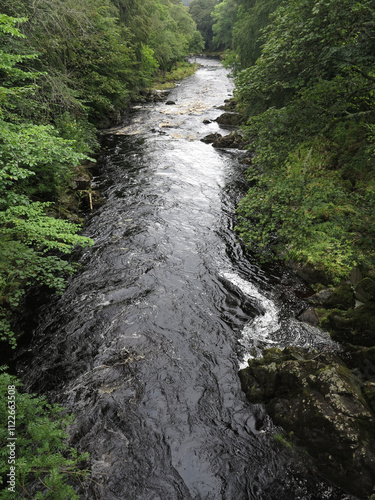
(305, 88)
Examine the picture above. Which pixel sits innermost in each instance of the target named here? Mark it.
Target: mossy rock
(231, 119)
(365, 290)
(318, 398)
(233, 140)
(364, 359)
(368, 390)
(342, 297)
(356, 326)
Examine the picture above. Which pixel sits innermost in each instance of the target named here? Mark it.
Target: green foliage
(200, 11)
(303, 212)
(309, 100)
(173, 32)
(224, 17)
(253, 17)
(177, 73)
(35, 162)
(44, 465)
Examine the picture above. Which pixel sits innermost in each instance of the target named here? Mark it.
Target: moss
(365, 290)
(282, 440)
(342, 297)
(368, 390)
(356, 326)
(318, 398)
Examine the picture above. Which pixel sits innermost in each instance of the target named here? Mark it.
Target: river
(146, 343)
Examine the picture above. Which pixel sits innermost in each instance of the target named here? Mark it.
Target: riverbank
(325, 402)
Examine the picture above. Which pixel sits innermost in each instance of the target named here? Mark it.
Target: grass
(180, 71)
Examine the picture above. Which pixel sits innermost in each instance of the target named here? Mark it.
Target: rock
(229, 105)
(342, 297)
(206, 122)
(368, 390)
(81, 183)
(356, 326)
(309, 316)
(170, 103)
(321, 297)
(365, 290)
(309, 273)
(210, 138)
(229, 119)
(355, 276)
(364, 359)
(316, 396)
(232, 140)
(81, 179)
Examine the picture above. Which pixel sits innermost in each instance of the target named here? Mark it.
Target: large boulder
(365, 290)
(355, 326)
(210, 138)
(316, 397)
(230, 119)
(233, 140)
(341, 297)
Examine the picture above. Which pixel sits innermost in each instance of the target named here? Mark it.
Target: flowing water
(146, 343)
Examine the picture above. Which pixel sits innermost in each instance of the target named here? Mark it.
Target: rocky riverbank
(325, 401)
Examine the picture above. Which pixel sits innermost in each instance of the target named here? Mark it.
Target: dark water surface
(145, 345)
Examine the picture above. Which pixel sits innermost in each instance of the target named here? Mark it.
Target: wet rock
(320, 298)
(368, 390)
(152, 95)
(364, 359)
(230, 119)
(229, 105)
(365, 290)
(210, 138)
(206, 122)
(81, 179)
(309, 316)
(170, 103)
(232, 140)
(316, 396)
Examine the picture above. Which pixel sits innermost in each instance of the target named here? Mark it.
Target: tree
(200, 11)
(309, 99)
(224, 17)
(252, 17)
(28, 151)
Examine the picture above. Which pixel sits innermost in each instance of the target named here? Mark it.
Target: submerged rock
(316, 397)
